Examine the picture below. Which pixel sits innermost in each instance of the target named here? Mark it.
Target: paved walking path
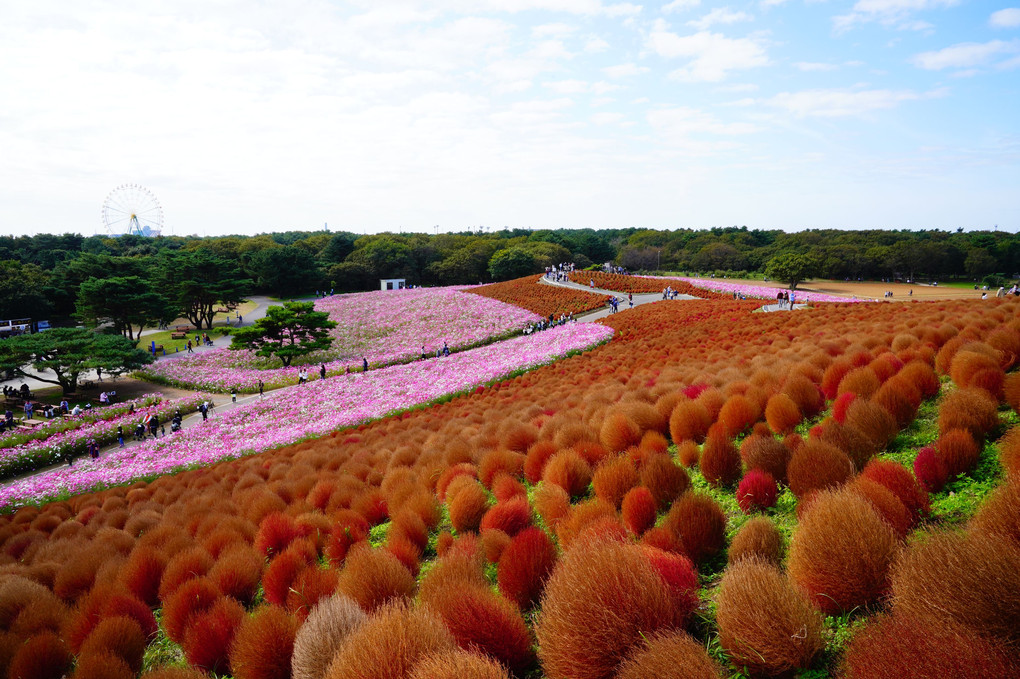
(641, 298)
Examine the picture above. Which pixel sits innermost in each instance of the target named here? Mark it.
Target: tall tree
(287, 332)
(199, 281)
(21, 290)
(791, 268)
(512, 262)
(129, 303)
(286, 271)
(68, 352)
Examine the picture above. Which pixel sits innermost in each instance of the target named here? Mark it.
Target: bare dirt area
(127, 388)
(876, 290)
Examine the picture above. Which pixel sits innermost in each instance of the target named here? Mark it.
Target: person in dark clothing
(120, 435)
(154, 425)
(322, 372)
(262, 387)
(364, 365)
(204, 409)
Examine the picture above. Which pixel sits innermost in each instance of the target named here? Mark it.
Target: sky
(446, 115)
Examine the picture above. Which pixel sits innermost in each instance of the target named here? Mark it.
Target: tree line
(131, 281)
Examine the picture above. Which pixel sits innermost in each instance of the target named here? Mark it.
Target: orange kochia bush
(671, 369)
(542, 299)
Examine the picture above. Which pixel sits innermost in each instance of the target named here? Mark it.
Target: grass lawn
(172, 345)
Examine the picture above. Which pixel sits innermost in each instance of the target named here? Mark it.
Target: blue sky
(413, 114)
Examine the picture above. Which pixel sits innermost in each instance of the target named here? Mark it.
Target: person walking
(262, 386)
(322, 371)
(120, 435)
(233, 395)
(190, 350)
(364, 364)
(154, 425)
(204, 409)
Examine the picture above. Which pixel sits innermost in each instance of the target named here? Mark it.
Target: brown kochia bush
(700, 525)
(569, 471)
(689, 421)
(263, 645)
(965, 578)
(467, 506)
(664, 479)
(1000, 512)
(373, 577)
(613, 478)
(767, 454)
(817, 466)
(390, 644)
(782, 414)
(602, 598)
(841, 552)
(458, 665)
(757, 539)
(899, 646)
(720, 461)
(764, 623)
(323, 633)
(968, 408)
(669, 655)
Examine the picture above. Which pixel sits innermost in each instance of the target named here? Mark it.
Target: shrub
(885, 503)
(505, 487)
(581, 515)
(964, 578)
(493, 541)
(120, 635)
(499, 461)
(767, 454)
(1000, 512)
(569, 471)
(757, 539)
(664, 480)
(511, 516)
(263, 644)
(900, 646)
(858, 447)
(408, 525)
(968, 408)
(311, 585)
(816, 465)
(922, 376)
(390, 644)
(979, 370)
(930, 469)
(805, 393)
(175, 673)
(896, 478)
(764, 623)
(535, 460)
(638, 510)
(276, 531)
(330, 623)
(141, 573)
(468, 506)
(873, 421)
(480, 620)
(687, 452)
(737, 415)
(860, 381)
(756, 492)
(280, 574)
(190, 598)
(372, 577)
(1009, 453)
(669, 655)
(699, 523)
(841, 552)
(833, 375)
(43, 656)
(619, 432)
(525, 565)
(209, 635)
(237, 572)
(613, 478)
(900, 399)
(181, 567)
(689, 422)
(552, 503)
(406, 552)
(680, 576)
(450, 473)
(102, 665)
(601, 599)
(457, 665)
(720, 461)
(959, 451)
(782, 414)
(519, 436)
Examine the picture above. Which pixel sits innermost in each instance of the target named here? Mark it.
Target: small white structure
(392, 283)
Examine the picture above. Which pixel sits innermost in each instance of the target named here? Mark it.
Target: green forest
(74, 276)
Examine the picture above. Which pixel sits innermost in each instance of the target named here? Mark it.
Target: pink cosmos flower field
(384, 327)
(310, 410)
(756, 291)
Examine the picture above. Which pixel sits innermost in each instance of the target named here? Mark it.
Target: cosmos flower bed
(16, 437)
(385, 327)
(756, 291)
(712, 479)
(544, 300)
(304, 411)
(58, 445)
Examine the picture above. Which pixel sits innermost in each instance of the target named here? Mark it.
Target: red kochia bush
(505, 487)
(141, 573)
(390, 644)
(968, 408)
(756, 492)
(275, 532)
(1009, 453)
(525, 565)
(190, 598)
(720, 461)
(664, 479)
(468, 506)
(964, 578)
(817, 466)
(601, 600)
(311, 585)
(901, 646)
(737, 414)
(619, 432)
(959, 451)
(767, 454)
(44, 656)
(536, 458)
(457, 665)
(552, 503)
(930, 469)
(182, 567)
(782, 414)
(805, 394)
(841, 552)
(613, 478)
(669, 655)
(860, 381)
(263, 644)
(699, 523)
(757, 539)
(638, 510)
(689, 422)
(280, 575)
(569, 471)
(885, 503)
(102, 665)
(833, 375)
(1000, 512)
(679, 574)
(764, 623)
(374, 576)
(209, 635)
(511, 516)
(486, 622)
(119, 635)
(896, 478)
(237, 572)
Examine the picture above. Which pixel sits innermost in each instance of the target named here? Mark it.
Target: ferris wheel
(132, 209)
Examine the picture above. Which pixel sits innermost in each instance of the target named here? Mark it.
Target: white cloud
(680, 6)
(738, 87)
(595, 44)
(841, 103)
(624, 70)
(965, 55)
(553, 30)
(814, 66)
(719, 15)
(712, 55)
(1005, 18)
(580, 87)
(694, 130)
(889, 13)
(606, 118)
